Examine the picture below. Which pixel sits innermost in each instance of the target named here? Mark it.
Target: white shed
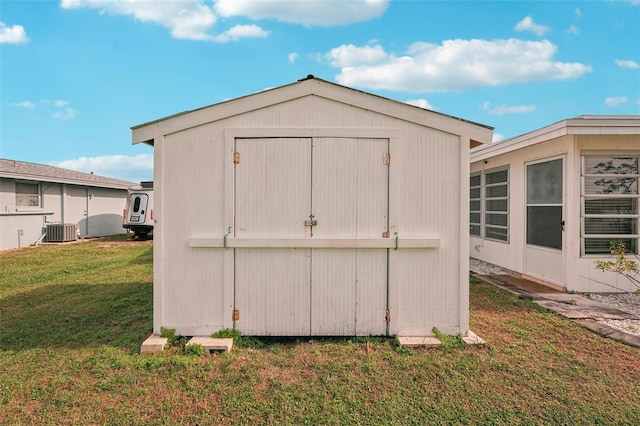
(311, 209)
(546, 204)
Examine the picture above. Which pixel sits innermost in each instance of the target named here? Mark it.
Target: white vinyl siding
(27, 194)
(609, 202)
(489, 204)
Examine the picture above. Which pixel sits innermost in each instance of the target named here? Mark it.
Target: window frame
(37, 194)
(634, 199)
(485, 200)
(479, 200)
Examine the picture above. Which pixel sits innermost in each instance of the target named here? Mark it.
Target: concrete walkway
(589, 313)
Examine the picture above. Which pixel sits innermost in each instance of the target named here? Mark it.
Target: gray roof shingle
(39, 172)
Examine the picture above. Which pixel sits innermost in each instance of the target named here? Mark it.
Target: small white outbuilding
(548, 203)
(311, 209)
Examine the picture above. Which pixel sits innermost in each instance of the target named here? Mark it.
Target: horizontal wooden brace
(331, 243)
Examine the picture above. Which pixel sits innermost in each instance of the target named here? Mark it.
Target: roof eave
(594, 125)
(147, 132)
(37, 178)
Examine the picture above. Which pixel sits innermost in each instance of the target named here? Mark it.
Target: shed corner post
(158, 257)
(464, 234)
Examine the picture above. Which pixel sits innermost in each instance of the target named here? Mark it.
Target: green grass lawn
(73, 317)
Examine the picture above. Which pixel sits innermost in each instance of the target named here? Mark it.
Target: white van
(138, 213)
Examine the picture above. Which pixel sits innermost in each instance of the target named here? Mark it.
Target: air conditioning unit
(60, 233)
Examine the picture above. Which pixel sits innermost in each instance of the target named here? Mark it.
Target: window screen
(489, 204)
(475, 213)
(496, 204)
(609, 202)
(544, 226)
(27, 195)
(544, 204)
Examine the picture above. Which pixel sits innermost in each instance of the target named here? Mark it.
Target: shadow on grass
(77, 315)
(145, 258)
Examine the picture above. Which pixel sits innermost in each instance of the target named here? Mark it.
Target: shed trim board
(604, 139)
(146, 133)
(330, 243)
(347, 229)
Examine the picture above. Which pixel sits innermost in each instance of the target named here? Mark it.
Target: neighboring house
(311, 209)
(35, 196)
(547, 204)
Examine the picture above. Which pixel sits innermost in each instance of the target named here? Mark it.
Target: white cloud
(615, 101)
(132, 168)
(241, 31)
(573, 30)
(506, 109)
(293, 56)
(527, 24)
(187, 19)
(632, 65)
(350, 55)
(308, 13)
(422, 103)
(497, 137)
(62, 114)
(452, 65)
(66, 114)
(25, 104)
(195, 19)
(12, 35)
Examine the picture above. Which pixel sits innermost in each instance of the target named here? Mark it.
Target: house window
(489, 204)
(27, 195)
(475, 214)
(609, 202)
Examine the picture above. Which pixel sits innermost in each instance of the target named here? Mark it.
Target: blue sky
(75, 75)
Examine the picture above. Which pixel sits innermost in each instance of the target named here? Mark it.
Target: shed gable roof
(40, 172)
(311, 86)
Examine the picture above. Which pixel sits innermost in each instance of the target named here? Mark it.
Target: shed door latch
(236, 315)
(387, 316)
(311, 221)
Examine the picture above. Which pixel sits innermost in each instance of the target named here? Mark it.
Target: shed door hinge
(236, 158)
(387, 159)
(387, 316)
(236, 315)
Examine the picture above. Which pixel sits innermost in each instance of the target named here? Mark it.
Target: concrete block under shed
(470, 338)
(418, 341)
(153, 344)
(212, 344)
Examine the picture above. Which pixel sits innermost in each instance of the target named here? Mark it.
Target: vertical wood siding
(424, 179)
(428, 283)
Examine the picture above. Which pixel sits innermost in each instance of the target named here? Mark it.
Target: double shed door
(288, 189)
